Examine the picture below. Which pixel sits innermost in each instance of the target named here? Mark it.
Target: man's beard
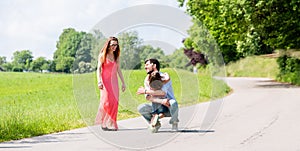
(150, 72)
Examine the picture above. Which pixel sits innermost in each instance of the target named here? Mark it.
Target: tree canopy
(40, 64)
(74, 48)
(248, 27)
(129, 43)
(22, 60)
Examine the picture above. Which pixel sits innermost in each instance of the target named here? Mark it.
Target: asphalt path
(260, 114)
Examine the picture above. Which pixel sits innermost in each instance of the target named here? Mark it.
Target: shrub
(289, 68)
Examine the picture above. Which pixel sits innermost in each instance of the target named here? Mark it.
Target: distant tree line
(77, 52)
(23, 61)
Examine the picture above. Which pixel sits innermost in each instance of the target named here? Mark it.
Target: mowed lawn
(33, 104)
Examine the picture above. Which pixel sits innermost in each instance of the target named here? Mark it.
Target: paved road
(260, 115)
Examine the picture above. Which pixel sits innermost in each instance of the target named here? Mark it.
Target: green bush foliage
(289, 68)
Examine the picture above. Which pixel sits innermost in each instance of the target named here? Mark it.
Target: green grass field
(254, 66)
(33, 104)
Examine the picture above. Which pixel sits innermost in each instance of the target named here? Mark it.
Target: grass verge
(33, 104)
(254, 66)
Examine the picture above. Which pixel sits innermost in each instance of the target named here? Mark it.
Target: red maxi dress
(109, 100)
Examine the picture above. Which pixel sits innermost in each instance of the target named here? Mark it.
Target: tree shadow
(10, 147)
(274, 84)
(53, 138)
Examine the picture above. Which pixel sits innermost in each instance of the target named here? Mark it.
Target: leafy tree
(75, 47)
(98, 42)
(278, 22)
(147, 51)
(7, 66)
(84, 67)
(289, 68)
(28, 65)
(64, 64)
(177, 60)
(22, 59)
(201, 41)
(52, 66)
(83, 54)
(67, 46)
(247, 27)
(40, 64)
(130, 53)
(219, 21)
(2, 60)
(46, 66)
(17, 68)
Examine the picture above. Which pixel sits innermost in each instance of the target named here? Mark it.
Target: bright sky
(36, 25)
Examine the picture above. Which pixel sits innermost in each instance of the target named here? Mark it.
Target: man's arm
(156, 93)
(146, 90)
(154, 98)
(164, 102)
(152, 95)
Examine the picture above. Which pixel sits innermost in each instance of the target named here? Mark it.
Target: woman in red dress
(107, 71)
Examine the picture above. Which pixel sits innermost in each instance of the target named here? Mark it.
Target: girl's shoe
(154, 120)
(108, 129)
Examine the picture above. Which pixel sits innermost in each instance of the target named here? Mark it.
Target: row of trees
(239, 28)
(23, 61)
(77, 52)
(244, 27)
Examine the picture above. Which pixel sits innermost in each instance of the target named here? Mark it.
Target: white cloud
(35, 25)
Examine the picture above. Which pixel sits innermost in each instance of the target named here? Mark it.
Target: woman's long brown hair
(105, 49)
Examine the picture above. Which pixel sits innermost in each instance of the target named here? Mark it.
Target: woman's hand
(123, 87)
(100, 85)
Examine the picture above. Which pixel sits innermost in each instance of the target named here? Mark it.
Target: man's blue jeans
(146, 109)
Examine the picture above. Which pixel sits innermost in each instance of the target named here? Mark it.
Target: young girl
(158, 110)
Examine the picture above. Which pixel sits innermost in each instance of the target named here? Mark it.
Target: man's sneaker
(175, 126)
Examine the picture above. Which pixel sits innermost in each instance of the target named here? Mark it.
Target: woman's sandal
(108, 129)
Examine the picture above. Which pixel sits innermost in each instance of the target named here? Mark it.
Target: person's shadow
(186, 131)
(167, 130)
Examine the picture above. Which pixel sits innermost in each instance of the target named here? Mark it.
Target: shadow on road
(274, 84)
(163, 130)
(186, 131)
(131, 129)
(10, 147)
(54, 138)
